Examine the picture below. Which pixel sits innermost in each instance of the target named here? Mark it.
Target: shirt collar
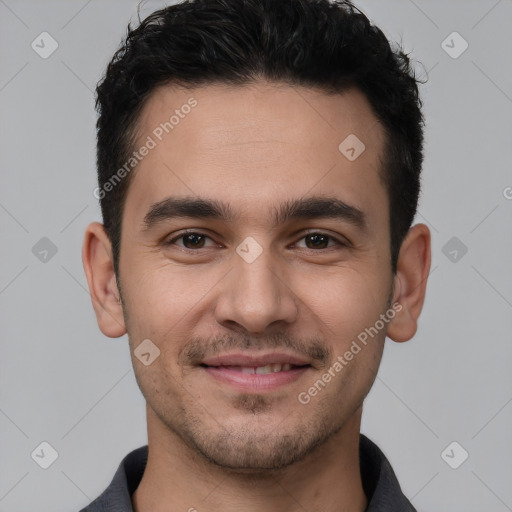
(379, 482)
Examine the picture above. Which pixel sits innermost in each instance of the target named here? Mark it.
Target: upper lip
(254, 360)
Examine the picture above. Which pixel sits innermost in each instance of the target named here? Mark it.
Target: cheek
(164, 303)
(350, 306)
(163, 293)
(346, 300)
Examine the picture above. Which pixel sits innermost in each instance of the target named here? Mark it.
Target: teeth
(270, 368)
(264, 370)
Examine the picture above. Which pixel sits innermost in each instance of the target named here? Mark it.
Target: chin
(255, 448)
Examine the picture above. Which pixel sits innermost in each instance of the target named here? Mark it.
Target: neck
(178, 478)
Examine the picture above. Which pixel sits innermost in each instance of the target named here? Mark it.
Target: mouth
(256, 373)
(258, 370)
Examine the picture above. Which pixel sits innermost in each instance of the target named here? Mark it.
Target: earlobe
(99, 270)
(411, 282)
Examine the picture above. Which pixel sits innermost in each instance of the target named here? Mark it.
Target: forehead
(258, 145)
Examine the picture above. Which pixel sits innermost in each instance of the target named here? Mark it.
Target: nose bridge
(254, 294)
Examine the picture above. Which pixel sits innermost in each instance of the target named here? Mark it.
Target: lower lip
(255, 382)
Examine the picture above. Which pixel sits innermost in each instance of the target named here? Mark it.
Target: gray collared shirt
(379, 482)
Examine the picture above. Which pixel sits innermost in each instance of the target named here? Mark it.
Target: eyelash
(330, 237)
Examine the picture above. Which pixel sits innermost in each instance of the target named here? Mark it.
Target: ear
(410, 282)
(99, 269)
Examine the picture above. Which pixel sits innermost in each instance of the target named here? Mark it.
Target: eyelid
(188, 231)
(338, 239)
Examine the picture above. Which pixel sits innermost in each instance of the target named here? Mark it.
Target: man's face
(256, 288)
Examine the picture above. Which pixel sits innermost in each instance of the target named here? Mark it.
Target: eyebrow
(316, 207)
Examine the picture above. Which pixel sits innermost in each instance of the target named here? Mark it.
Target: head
(285, 137)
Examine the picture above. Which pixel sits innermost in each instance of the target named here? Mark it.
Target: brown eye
(317, 241)
(320, 241)
(195, 240)
(191, 240)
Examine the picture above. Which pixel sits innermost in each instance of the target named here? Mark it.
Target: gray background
(63, 382)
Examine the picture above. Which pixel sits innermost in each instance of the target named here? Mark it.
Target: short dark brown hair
(330, 45)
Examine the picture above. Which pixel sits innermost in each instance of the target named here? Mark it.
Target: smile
(261, 370)
(256, 379)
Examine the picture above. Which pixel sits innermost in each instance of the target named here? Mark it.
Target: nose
(257, 297)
